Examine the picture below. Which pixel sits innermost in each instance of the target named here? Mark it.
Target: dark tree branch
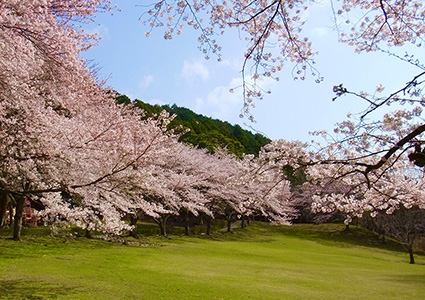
(395, 148)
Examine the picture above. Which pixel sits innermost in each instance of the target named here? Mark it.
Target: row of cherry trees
(88, 161)
(106, 163)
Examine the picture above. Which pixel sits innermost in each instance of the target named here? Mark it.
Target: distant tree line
(205, 132)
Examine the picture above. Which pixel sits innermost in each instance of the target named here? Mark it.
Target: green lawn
(260, 262)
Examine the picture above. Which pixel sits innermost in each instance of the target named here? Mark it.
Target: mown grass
(260, 262)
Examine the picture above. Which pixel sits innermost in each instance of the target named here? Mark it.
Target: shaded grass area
(32, 290)
(337, 235)
(262, 261)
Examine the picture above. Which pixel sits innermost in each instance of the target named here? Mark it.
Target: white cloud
(222, 104)
(194, 70)
(152, 101)
(155, 101)
(146, 81)
(219, 102)
(319, 32)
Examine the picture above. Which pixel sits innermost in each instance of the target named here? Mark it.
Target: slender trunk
(3, 209)
(347, 228)
(20, 203)
(229, 222)
(162, 223)
(186, 223)
(208, 221)
(243, 223)
(248, 221)
(411, 256)
(229, 225)
(163, 228)
(133, 222)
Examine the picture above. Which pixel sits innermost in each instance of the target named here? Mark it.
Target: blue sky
(162, 71)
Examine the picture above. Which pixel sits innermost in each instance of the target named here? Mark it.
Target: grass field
(260, 262)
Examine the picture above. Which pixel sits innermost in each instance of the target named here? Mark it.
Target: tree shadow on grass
(336, 234)
(31, 290)
(416, 279)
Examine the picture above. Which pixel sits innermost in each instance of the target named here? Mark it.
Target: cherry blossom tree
(194, 181)
(62, 135)
(173, 188)
(268, 192)
(63, 138)
(405, 225)
(398, 187)
(256, 187)
(196, 174)
(344, 175)
(42, 78)
(111, 167)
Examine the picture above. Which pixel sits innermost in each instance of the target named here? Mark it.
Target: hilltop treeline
(205, 132)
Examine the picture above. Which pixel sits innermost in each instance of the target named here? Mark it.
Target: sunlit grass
(260, 262)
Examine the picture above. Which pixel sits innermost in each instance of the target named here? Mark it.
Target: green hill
(206, 132)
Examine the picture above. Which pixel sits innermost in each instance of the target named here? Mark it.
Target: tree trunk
(347, 227)
(20, 204)
(208, 221)
(3, 209)
(162, 223)
(133, 222)
(243, 223)
(411, 257)
(163, 228)
(186, 223)
(229, 223)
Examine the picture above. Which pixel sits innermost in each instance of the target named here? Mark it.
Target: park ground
(262, 261)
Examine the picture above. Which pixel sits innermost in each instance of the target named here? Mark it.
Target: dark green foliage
(296, 176)
(206, 132)
(213, 139)
(123, 99)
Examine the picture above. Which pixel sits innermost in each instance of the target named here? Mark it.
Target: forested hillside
(206, 132)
